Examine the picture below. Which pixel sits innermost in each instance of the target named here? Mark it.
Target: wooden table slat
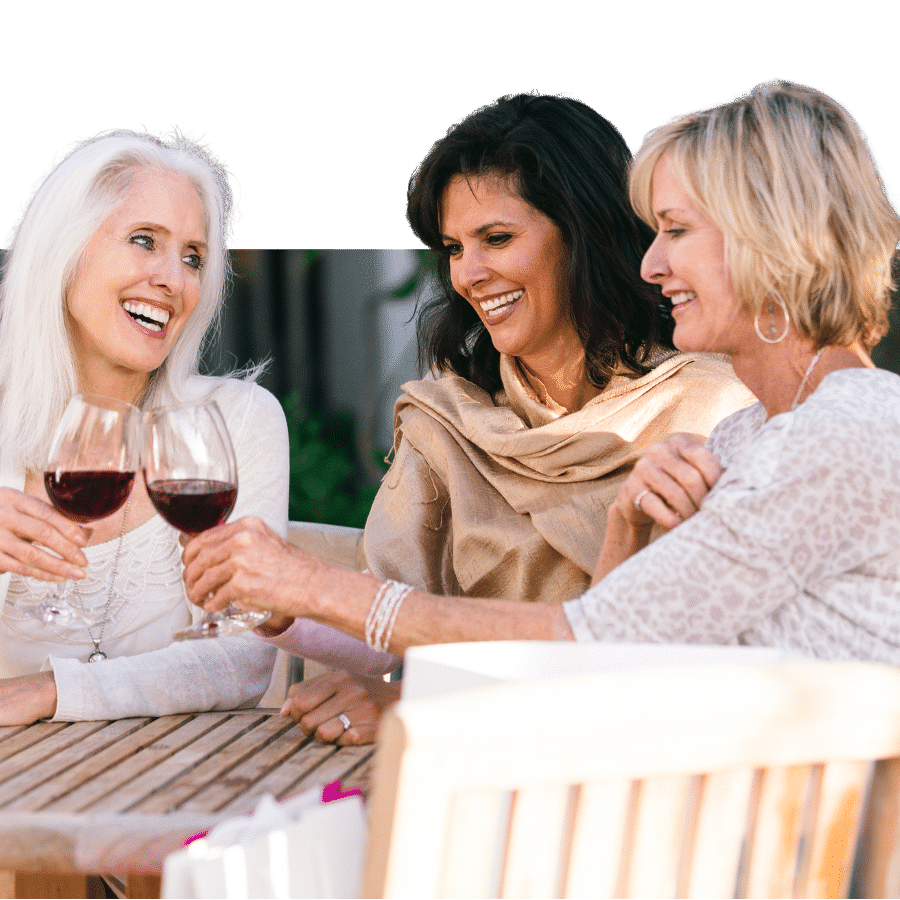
(338, 767)
(144, 754)
(168, 784)
(281, 781)
(220, 770)
(104, 756)
(23, 738)
(80, 741)
(10, 730)
(36, 753)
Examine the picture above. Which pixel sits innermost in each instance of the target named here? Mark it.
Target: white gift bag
(300, 848)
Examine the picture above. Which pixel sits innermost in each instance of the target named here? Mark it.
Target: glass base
(58, 611)
(230, 620)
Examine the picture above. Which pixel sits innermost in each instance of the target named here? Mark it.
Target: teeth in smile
(682, 297)
(504, 300)
(152, 317)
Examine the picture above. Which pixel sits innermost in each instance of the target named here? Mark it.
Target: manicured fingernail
(286, 708)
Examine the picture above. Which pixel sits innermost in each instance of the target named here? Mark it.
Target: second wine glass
(191, 476)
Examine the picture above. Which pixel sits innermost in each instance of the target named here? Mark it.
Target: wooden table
(90, 797)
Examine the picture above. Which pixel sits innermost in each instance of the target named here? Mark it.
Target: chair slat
(778, 821)
(538, 833)
(720, 828)
(600, 822)
(658, 841)
(476, 844)
(835, 830)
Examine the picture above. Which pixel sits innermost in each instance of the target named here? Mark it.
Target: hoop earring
(772, 336)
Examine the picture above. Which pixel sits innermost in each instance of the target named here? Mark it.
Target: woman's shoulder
(229, 392)
(852, 414)
(854, 395)
(246, 406)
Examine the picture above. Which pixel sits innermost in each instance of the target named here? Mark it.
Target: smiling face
(137, 284)
(507, 260)
(687, 260)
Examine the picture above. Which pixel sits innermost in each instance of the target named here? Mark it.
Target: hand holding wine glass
(191, 476)
(89, 475)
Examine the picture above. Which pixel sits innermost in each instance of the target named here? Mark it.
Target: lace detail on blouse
(148, 585)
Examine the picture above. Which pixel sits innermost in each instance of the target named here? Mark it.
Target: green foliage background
(327, 485)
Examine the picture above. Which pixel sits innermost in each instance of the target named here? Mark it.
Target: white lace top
(146, 673)
(146, 604)
(797, 546)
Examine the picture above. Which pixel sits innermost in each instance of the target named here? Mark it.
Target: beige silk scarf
(506, 497)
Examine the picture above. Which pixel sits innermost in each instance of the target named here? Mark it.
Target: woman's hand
(246, 563)
(666, 487)
(316, 704)
(26, 523)
(26, 699)
(668, 483)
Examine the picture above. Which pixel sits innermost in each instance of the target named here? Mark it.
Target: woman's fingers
(27, 526)
(340, 707)
(668, 484)
(244, 563)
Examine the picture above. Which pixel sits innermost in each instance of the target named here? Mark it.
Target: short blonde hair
(787, 176)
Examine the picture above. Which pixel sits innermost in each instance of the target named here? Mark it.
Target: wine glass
(191, 476)
(90, 471)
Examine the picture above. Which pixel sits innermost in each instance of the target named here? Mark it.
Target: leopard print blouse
(797, 546)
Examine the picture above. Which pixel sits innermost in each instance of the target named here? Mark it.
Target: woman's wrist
(275, 625)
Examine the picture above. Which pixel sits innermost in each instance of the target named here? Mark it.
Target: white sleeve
(217, 673)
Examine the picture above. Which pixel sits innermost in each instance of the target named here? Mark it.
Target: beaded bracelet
(383, 614)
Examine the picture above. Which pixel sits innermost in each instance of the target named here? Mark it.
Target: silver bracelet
(383, 614)
(405, 589)
(373, 612)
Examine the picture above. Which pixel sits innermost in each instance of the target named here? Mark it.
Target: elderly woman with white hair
(115, 275)
(773, 243)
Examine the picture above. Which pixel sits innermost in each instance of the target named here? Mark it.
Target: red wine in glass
(88, 495)
(89, 475)
(193, 504)
(191, 476)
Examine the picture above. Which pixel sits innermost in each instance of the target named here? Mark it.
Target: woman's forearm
(622, 540)
(344, 599)
(248, 564)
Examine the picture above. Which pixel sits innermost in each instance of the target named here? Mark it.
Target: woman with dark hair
(551, 372)
(556, 359)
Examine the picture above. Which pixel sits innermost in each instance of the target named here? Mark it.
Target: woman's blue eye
(143, 240)
(194, 260)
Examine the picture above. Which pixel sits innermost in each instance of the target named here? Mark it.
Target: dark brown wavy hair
(571, 164)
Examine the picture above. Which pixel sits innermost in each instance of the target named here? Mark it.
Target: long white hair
(38, 374)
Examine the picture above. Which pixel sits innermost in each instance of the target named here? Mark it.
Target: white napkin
(299, 848)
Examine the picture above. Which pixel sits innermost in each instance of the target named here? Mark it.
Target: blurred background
(338, 330)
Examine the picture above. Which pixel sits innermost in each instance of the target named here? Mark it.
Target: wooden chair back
(724, 781)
